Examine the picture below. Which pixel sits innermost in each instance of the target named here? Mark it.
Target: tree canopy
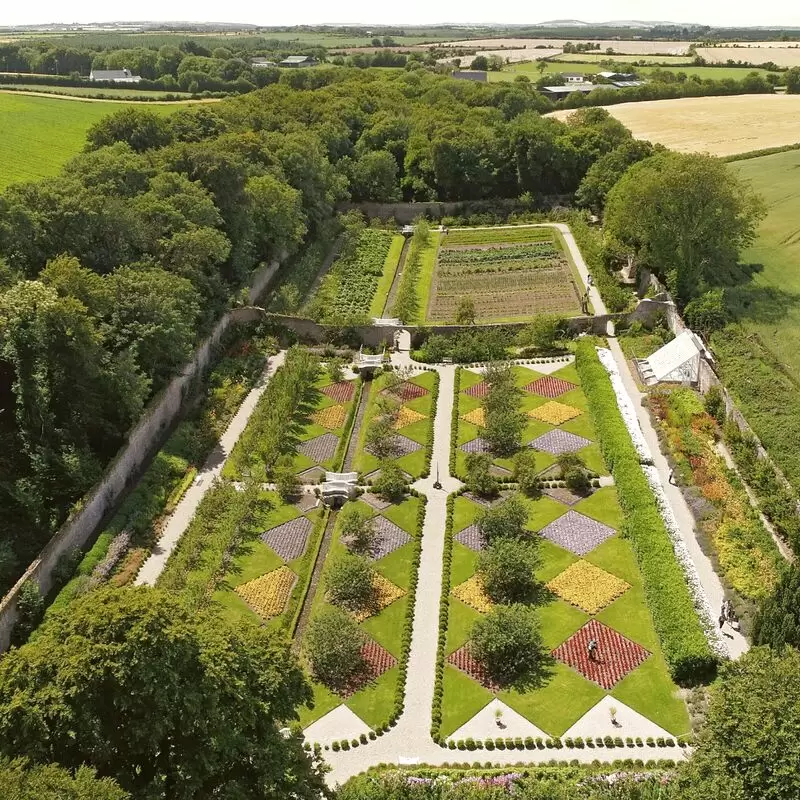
(168, 701)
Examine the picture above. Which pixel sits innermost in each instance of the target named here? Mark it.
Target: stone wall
(143, 442)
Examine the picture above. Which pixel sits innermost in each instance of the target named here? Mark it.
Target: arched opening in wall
(403, 341)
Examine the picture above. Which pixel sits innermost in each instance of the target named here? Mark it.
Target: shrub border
(431, 423)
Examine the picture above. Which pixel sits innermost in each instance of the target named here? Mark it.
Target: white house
(114, 76)
(573, 77)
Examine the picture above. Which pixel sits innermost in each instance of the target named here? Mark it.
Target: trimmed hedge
(431, 422)
(686, 649)
(454, 421)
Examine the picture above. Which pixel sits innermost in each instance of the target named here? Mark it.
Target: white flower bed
(698, 594)
(625, 404)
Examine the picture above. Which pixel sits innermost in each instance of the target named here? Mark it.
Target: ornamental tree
(506, 520)
(777, 622)
(508, 643)
(169, 701)
(508, 570)
(333, 642)
(350, 581)
(357, 527)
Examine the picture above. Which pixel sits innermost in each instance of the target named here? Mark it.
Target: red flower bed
(463, 659)
(548, 386)
(341, 392)
(377, 660)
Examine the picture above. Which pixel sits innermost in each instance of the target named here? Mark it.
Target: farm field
(783, 57)
(722, 126)
(594, 58)
(88, 91)
(593, 585)
(637, 47)
(40, 134)
(530, 69)
(509, 274)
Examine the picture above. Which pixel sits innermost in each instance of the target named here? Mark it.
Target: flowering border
(697, 591)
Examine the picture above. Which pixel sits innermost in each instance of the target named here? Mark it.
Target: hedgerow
(686, 649)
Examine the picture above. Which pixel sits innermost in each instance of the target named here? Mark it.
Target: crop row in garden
(492, 235)
(498, 253)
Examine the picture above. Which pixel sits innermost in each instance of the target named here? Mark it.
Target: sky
(307, 12)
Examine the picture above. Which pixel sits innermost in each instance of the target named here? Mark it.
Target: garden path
(182, 515)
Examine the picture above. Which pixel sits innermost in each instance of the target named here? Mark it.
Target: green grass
(465, 698)
(427, 264)
(592, 64)
(514, 235)
(376, 308)
(94, 91)
(40, 134)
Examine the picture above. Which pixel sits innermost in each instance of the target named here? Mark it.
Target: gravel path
(210, 471)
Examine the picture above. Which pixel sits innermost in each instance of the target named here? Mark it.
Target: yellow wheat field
(722, 126)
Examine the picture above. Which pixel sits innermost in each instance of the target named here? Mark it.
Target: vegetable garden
(508, 274)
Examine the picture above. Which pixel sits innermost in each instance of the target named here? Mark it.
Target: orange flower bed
(332, 417)
(407, 416)
(385, 593)
(588, 587)
(476, 417)
(554, 413)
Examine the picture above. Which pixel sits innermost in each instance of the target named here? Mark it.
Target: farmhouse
(573, 77)
(258, 63)
(563, 91)
(470, 75)
(114, 76)
(298, 61)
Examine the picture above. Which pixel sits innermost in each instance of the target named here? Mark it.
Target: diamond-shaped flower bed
(615, 656)
(373, 476)
(588, 587)
(554, 413)
(307, 502)
(471, 537)
(267, 594)
(332, 417)
(472, 593)
(563, 495)
(289, 540)
(477, 417)
(388, 538)
(557, 442)
(406, 391)
(311, 475)
(341, 392)
(478, 390)
(463, 659)
(577, 533)
(378, 503)
(402, 446)
(549, 386)
(384, 595)
(407, 416)
(377, 660)
(320, 448)
(476, 446)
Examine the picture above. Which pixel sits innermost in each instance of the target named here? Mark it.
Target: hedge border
(454, 421)
(444, 613)
(344, 441)
(683, 641)
(431, 423)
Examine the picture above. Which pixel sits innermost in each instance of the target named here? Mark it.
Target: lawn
(760, 363)
(40, 134)
(508, 273)
(374, 701)
(572, 531)
(427, 264)
(131, 93)
(390, 265)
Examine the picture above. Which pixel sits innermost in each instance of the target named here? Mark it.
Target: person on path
(592, 650)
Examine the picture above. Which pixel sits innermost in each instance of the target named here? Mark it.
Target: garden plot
(412, 403)
(372, 694)
(508, 273)
(556, 408)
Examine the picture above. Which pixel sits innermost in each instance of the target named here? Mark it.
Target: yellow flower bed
(267, 594)
(476, 417)
(332, 417)
(473, 594)
(385, 593)
(588, 587)
(407, 416)
(554, 413)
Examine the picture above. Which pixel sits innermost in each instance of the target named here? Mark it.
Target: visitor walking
(592, 650)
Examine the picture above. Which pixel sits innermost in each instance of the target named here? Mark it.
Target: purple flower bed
(476, 446)
(557, 442)
(577, 533)
(320, 448)
(403, 446)
(289, 540)
(471, 537)
(388, 538)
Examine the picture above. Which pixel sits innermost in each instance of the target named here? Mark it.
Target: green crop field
(40, 134)
(130, 93)
(771, 303)
(531, 69)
